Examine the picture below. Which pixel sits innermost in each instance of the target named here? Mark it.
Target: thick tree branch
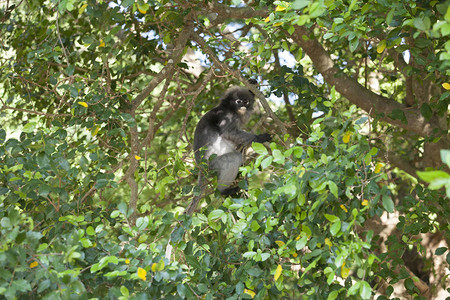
(356, 93)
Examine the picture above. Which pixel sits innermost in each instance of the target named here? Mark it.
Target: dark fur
(219, 131)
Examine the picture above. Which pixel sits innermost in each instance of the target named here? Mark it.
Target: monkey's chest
(220, 147)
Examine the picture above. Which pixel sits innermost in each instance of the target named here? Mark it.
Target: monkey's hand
(261, 138)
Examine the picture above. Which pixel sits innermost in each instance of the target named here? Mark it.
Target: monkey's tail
(189, 211)
(193, 205)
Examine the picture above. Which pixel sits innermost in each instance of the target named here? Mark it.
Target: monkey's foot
(230, 191)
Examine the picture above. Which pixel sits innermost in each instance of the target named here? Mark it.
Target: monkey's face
(242, 102)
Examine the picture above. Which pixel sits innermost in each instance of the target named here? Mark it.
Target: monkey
(219, 131)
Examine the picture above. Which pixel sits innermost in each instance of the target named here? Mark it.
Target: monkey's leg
(227, 167)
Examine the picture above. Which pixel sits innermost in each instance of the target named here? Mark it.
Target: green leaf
(278, 156)
(266, 162)
(215, 214)
(445, 157)
(353, 44)
(409, 284)
(70, 70)
(398, 114)
(249, 254)
(426, 111)
(422, 23)
(354, 288)
(365, 291)
(299, 4)
(301, 243)
(90, 230)
(388, 204)
(335, 227)
(259, 148)
(181, 290)
(333, 188)
(333, 295)
(429, 176)
(127, 3)
(331, 218)
(29, 127)
(255, 225)
(440, 250)
(142, 223)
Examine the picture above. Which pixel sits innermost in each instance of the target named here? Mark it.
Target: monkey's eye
(241, 102)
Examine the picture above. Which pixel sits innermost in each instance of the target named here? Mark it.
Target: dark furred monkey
(219, 131)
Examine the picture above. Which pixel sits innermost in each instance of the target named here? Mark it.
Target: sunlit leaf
(82, 9)
(344, 271)
(279, 243)
(250, 292)
(142, 273)
(346, 137)
(278, 272)
(381, 46)
(378, 167)
(84, 104)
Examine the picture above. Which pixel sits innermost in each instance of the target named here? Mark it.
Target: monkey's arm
(239, 137)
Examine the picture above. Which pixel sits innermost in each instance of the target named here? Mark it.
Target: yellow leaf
(154, 265)
(127, 261)
(378, 167)
(84, 104)
(328, 242)
(381, 46)
(365, 202)
(342, 206)
(294, 254)
(346, 137)
(141, 10)
(82, 9)
(102, 43)
(95, 130)
(278, 24)
(279, 243)
(142, 273)
(278, 272)
(267, 19)
(297, 238)
(249, 292)
(137, 157)
(344, 271)
(33, 264)
(280, 8)
(446, 85)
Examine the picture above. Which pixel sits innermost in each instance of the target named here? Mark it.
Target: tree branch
(175, 58)
(356, 93)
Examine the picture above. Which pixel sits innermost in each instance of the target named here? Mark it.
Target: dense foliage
(99, 100)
